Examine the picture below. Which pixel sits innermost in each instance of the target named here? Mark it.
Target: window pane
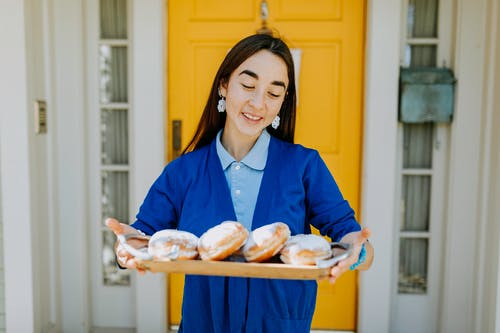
(114, 136)
(113, 19)
(113, 74)
(114, 198)
(417, 145)
(420, 56)
(416, 198)
(422, 18)
(413, 266)
(112, 275)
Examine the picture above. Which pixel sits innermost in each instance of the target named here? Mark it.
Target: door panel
(330, 35)
(299, 10)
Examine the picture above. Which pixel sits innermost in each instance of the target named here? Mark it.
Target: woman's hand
(124, 258)
(356, 239)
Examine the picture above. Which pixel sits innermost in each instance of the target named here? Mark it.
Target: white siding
(15, 168)
(147, 117)
(2, 285)
(379, 160)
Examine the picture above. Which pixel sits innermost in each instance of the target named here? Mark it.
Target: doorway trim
(147, 138)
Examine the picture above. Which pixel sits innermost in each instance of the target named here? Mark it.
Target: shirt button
(237, 192)
(237, 167)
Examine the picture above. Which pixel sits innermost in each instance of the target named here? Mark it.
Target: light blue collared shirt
(244, 177)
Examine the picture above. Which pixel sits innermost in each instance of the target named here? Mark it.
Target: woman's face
(254, 94)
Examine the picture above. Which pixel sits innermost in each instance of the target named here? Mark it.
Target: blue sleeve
(326, 208)
(160, 207)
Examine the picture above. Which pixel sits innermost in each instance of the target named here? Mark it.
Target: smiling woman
(242, 165)
(254, 92)
(257, 71)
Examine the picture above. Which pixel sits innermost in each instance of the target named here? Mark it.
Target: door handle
(176, 138)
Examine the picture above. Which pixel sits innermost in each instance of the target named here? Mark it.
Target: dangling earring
(221, 106)
(276, 122)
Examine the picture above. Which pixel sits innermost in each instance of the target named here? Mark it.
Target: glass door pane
(416, 198)
(413, 266)
(113, 74)
(422, 18)
(113, 19)
(114, 136)
(417, 145)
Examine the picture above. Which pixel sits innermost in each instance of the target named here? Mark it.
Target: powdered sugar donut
(173, 244)
(266, 241)
(305, 249)
(221, 241)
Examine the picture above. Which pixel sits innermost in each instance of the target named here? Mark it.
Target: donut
(222, 240)
(171, 244)
(266, 241)
(305, 250)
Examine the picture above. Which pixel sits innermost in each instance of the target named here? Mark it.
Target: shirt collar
(256, 157)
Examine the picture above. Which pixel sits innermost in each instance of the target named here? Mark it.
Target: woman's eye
(246, 86)
(274, 95)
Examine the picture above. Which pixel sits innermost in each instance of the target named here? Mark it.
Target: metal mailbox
(426, 95)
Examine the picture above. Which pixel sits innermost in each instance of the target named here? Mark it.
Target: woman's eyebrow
(255, 76)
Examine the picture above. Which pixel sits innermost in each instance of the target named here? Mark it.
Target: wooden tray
(235, 265)
(241, 269)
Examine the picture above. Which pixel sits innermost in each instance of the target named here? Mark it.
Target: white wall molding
(494, 208)
(464, 173)
(15, 173)
(379, 160)
(70, 168)
(487, 264)
(147, 140)
(43, 236)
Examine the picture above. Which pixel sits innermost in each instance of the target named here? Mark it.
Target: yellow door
(330, 35)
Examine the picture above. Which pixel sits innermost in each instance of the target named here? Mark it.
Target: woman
(242, 165)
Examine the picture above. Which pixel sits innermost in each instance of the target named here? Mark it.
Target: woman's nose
(257, 100)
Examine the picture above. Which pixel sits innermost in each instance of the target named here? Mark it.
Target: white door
(112, 301)
(125, 138)
(422, 169)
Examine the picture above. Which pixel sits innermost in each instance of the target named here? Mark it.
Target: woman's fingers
(337, 271)
(114, 225)
(118, 228)
(356, 239)
(365, 234)
(124, 258)
(130, 262)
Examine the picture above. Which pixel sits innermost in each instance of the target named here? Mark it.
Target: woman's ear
(223, 88)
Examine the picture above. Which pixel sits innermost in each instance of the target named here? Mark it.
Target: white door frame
(459, 295)
(15, 171)
(378, 185)
(147, 137)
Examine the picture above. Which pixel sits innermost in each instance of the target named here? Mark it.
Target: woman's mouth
(252, 117)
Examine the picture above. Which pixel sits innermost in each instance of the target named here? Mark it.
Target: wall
(494, 177)
(68, 100)
(493, 290)
(2, 282)
(488, 270)
(15, 188)
(379, 160)
(43, 235)
(464, 190)
(147, 139)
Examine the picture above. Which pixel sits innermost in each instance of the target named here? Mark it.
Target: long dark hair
(212, 121)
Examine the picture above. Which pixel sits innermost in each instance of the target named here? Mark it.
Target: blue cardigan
(297, 188)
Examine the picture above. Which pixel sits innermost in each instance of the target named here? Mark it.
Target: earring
(221, 106)
(276, 122)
